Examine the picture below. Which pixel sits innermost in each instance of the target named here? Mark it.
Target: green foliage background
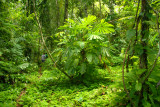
(98, 42)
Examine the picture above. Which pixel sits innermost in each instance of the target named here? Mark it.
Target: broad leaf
(138, 86)
(94, 36)
(95, 59)
(104, 27)
(81, 44)
(83, 68)
(1, 53)
(89, 57)
(23, 66)
(130, 34)
(76, 61)
(146, 103)
(88, 20)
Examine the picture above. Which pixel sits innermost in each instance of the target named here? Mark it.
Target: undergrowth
(54, 89)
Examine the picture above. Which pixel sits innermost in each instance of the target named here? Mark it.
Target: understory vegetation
(54, 89)
(79, 53)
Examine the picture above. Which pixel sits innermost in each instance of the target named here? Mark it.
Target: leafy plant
(83, 42)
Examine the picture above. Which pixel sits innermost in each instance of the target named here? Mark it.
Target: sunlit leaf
(89, 57)
(1, 53)
(81, 44)
(23, 66)
(138, 86)
(94, 36)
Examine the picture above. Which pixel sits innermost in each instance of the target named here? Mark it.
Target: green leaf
(138, 86)
(145, 95)
(157, 98)
(138, 49)
(1, 53)
(1, 73)
(126, 18)
(130, 34)
(81, 44)
(88, 20)
(105, 51)
(94, 36)
(146, 103)
(71, 71)
(152, 88)
(23, 66)
(76, 61)
(140, 71)
(89, 57)
(153, 38)
(134, 57)
(79, 99)
(152, 101)
(83, 68)
(104, 27)
(95, 59)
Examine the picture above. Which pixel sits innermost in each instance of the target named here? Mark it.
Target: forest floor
(50, 88)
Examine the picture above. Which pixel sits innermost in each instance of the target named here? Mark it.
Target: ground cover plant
(78, 53)
(49, 90)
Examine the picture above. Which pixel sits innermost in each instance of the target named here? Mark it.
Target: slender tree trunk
(66, 10)
(144, 35)
(31, 7)
(38, 54)
(80, 9)
(72, 9)
(85, 10)
(127, 64)
(100, 9)
(93, 8)
(57, 14)
(111, 7)
(27, 8)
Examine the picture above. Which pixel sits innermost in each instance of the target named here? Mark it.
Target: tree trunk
(86, 14)
(38, 53)
(144, 35)
(66, 10)
(72, 9)
(27, 7)
(93, 8)
(57, 14)
(100, 9)
(80, 9)
(111, 14)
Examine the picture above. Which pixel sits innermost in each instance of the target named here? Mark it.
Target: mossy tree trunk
(144, 34)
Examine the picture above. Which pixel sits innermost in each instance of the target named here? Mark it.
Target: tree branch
(136, 14)
(125, 89)
(137, 22)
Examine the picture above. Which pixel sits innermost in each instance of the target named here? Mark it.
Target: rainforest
(79, 53)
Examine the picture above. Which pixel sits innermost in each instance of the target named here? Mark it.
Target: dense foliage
(96, 53)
